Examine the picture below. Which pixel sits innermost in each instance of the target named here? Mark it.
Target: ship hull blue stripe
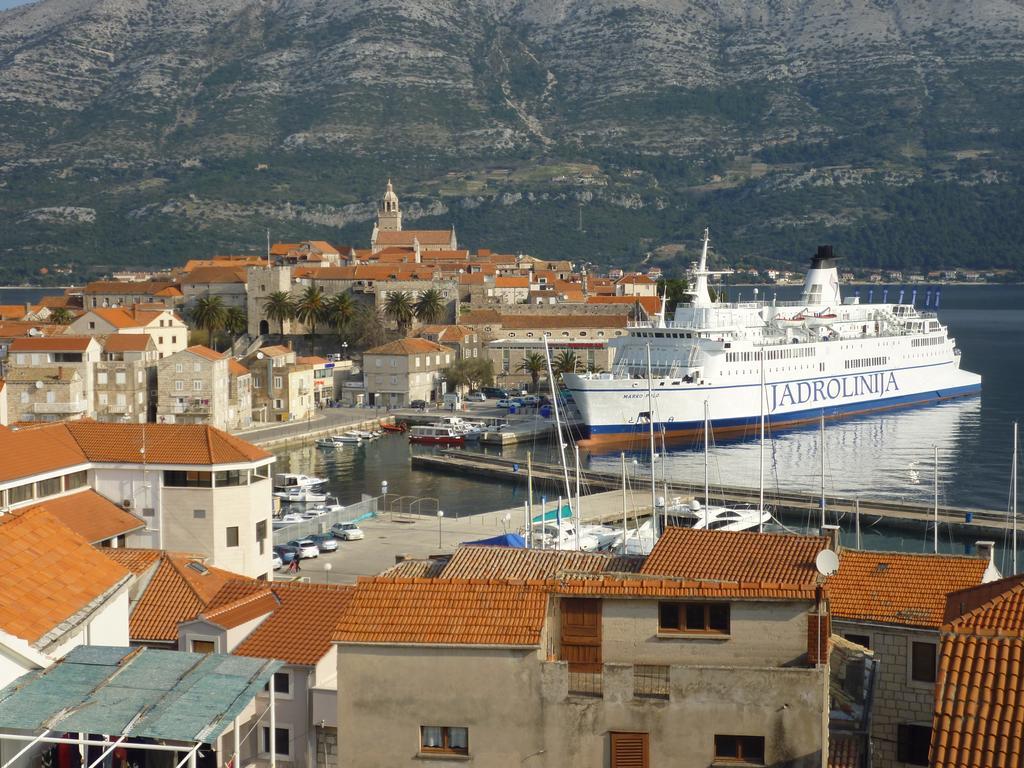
(781, 419)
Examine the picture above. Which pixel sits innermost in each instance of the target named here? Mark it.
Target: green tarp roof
(181, 696)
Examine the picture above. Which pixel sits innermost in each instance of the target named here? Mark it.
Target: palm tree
(60, 316)
(431, 306)
(565, 361)
(210, 313)
(235, 322)
(279, 307)
(368, 327)
(399, 307)
(310, 310)
(533, 364)
(339, 313)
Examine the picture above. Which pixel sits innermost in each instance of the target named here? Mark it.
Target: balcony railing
(586, 683)
(79, 406)
(115, 408)
(650, 681)
(195, 406)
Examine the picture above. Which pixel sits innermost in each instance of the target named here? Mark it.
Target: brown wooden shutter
(629, 750)
(581, 634)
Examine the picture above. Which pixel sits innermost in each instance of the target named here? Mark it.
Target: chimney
(831, 532)
(987, 551)
(402, 557)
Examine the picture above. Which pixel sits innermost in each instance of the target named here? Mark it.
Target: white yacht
(713, 517)
(288, 480)
(792, 361)
(300, 495)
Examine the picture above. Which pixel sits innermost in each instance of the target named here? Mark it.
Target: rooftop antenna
(268, 245)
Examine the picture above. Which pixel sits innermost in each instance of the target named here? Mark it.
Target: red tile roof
(135, 560)
(235, 368)
(215, 275)
(49, 574)
(407, 347)
(650, 304)
(543, 321)
(205, 352)
(735, 556)
(898, 587)
(650, 587)
(443, 611)
(128, 342)
(503, 563)
(37, 450)
(406, 236)
(92, 516)
(150, 288)
(59, 343)
(243, 610)
(164, 443)
(174, 593)
(301, 627)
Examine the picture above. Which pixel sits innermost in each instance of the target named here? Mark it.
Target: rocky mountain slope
(161, 129)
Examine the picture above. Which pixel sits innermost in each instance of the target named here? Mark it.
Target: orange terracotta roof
(275, 350)
(152, 288)
(235, 368)
(164, 443)
(301, 627)
(128, 342)
(447, 332)
(511, 282)
(371, 272)
(59, 343)
(1003, 614)
(735, 556)
(311, 360)
(407, 347)
(243, 610)
(443, 255)
(174, 593)
(15, 329)
(965, 601)
(119, 318)
(502, 563)
(543, 321)
(135, 560)
(429, 568)
(406, 236)
(37, 450)
(899, 588)
(215, 274)
(170, 291)
(205, 352)
(12, 311)
(642, 586)
(67, 575)
(473, 278)
(442, 612)
(636, 280)
(92, 516)
(650, 304)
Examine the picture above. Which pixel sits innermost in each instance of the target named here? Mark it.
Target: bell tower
(389, 214)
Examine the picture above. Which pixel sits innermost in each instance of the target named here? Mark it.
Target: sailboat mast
(579, 514)
(856, 519)
(625, 512)
(822, 470)
(935, 488)
(529, 498)
(650, 423)
(760, 473)
(1015, 498)
(705, 465)
(558, 429)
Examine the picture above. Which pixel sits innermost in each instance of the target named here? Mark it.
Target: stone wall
(326, 747)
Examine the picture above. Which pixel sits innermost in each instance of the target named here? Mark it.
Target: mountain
(151, 131)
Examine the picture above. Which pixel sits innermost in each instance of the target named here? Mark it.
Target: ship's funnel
(821, 285)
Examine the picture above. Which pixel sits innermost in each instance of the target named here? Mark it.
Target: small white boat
(470, 430)
(562, 535)
(362, 434)
(436, 435)
(342, 439)
(288, 480)
(300, 495)
(289, 519)
(637, 541)
(331, 442)
(720, 518)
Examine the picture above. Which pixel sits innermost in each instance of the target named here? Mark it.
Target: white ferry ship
(821, 354)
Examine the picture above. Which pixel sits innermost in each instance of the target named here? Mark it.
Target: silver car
(347, 531)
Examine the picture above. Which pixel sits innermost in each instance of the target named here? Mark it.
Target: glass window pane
(695, 616)
(668, 616)
(431, 736)
(458, 738)
(727, 746)
(718, 618)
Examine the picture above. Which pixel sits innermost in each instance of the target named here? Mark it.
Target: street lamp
(440, 517)
(384, 495)
(344, 350)
(327, 572)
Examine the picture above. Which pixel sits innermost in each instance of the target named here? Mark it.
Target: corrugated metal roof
(181, 696)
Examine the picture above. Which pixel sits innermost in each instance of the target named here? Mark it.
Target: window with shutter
(629, 750)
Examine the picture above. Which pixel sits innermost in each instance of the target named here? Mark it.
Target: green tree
(235, 322)
(60, 316)
(430, 307)
(339, 313)
(674, 290)
(368, 327)
(399, 307)
(310, 310)
(209, 313)
(565, 361)
(533, 364)
(279, 308)
(471, 372)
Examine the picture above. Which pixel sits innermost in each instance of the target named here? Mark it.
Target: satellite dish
(259, 355)
(827, 562)
(695, 505)
(39, 385)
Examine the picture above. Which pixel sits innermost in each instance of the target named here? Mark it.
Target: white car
(276, 562)
(505, 402)
(531, 400)
(347, 532)
(476, 397)
(307, 548)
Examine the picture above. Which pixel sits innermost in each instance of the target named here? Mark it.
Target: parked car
(505, 402)
(287, 554)
(531, 400)
(476, 397)
(421, 404)
(276, 562)
(347, 531)
(324, 542)
(307, 548)
(494, 392)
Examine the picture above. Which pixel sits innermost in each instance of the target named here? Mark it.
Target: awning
(136, 692)
(504, 540)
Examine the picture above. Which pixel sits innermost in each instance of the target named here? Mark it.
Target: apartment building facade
(168, 331)
(126, 378)
(51, 377)
(401, 372)
(201, 386)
